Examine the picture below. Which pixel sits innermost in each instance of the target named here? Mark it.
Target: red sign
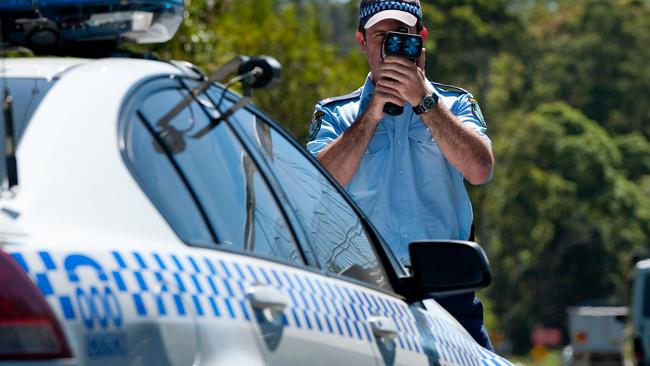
(548, 337)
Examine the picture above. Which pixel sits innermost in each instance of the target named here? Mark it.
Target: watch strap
(428, 103)
(419, 109)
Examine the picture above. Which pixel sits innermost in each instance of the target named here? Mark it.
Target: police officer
(406, 171)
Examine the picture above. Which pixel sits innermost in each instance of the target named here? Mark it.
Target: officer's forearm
(465, 149)
(342, 157)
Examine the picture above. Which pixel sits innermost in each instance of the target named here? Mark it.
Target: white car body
(127, 290)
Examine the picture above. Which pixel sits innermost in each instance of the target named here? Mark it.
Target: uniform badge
(314, 126)
(477, 111)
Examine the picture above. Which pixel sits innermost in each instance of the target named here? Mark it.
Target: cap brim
(404, 17)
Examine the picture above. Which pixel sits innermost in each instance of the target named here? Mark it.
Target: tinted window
(27, 94)
(227, 183)
(164, 186)
(336, 233)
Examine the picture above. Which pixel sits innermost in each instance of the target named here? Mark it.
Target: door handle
(268, 302)
(264, 297)
(383, 328)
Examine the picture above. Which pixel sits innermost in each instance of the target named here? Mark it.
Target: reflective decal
(100, 291)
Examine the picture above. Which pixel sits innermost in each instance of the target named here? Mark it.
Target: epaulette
(450, 88)
(353, 95)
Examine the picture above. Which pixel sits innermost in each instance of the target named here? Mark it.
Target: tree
(592, 54)
(464, 36)
(561, 215)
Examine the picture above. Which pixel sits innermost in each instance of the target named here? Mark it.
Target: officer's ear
(361, 41)
(424, 33)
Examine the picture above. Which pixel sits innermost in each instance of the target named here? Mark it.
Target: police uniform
(404, 183)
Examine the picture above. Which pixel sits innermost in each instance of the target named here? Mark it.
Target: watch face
(430, 102)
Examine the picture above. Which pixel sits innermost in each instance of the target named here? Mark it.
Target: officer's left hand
(405, 77)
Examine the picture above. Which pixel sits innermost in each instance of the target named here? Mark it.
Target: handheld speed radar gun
(404, 45)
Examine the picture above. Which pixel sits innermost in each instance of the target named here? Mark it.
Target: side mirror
(446, 267)
(266, 70)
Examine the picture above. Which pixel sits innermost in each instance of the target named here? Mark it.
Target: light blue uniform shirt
(404, 183)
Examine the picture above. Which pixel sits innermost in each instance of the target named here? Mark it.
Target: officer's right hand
(381, 96)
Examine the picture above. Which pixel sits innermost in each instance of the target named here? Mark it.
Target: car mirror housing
(447, 267)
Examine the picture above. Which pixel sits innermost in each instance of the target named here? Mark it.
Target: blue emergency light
(56, 23)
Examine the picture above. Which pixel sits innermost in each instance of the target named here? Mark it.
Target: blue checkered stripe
(344, 311)
(171, 285)
(175, 285)
(371, 8)
(458, 348)
(154, 284)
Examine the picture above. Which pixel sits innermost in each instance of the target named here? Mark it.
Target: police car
(151, 216)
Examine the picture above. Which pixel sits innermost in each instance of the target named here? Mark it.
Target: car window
(337, 235)
(228, 186)
(26, 95)
(163, 185)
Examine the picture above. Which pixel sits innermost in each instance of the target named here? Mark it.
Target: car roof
(38, 67)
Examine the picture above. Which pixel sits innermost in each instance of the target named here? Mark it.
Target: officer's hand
(421, 61)
(405, 78)
(381, 96)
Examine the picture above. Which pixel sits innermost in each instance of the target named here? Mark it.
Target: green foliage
(592, 54)
(635, 149)
(568, 205)
(562, 214)
(464, 37)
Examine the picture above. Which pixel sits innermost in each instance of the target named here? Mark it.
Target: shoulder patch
(316, 122)
(355, 94)
(450, 88)
(477, 111)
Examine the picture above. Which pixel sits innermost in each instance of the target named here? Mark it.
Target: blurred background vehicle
(597, 335)
(640, 308)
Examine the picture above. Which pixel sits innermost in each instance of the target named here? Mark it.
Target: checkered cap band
(369, 8)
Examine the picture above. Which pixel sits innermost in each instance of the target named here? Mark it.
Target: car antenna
(7, 109)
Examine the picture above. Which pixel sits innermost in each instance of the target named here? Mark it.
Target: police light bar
(53, 23)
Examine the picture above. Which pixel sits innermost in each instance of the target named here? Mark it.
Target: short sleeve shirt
(404, 183)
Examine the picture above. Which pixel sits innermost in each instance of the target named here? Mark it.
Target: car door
(357, 294)
(313, 328)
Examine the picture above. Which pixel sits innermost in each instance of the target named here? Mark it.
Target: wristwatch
(428, 103)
